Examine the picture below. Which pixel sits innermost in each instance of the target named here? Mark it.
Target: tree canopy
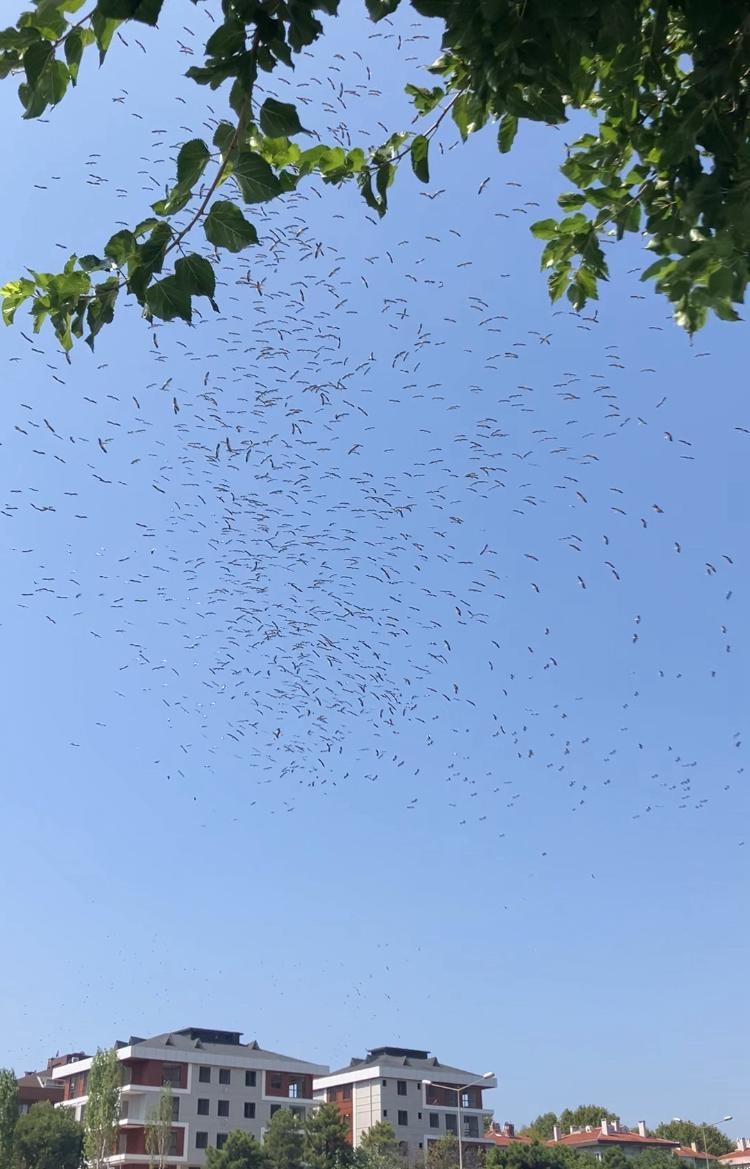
(8, 1116)
(657, 91)
(48, 1138)
(102, 1107)
(687, 1131)
(284, 1139)
(536, 1156)
(326, 1144)
(584, 1114)
(239, 1151)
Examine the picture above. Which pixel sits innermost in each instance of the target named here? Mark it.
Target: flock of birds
(369, 527)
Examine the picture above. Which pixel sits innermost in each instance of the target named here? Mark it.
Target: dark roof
(409, 1052)
(405, 1057)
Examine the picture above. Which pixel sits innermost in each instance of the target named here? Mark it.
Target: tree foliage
(159, 1128)
(379, 1148)
(542, 1127)
(537, 1156)
(240, 1151)
(48, 1138)
(665, 85)
(102, 1108)
(8, 1116)
(443, 1153)
(584, 1114)
(284, 1139)
(326, 1144)
(687, 1131)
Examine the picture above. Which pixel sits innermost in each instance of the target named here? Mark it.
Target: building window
(471, 1126)
(276, 1080)
(385, 1113)
(294, 1091)
(401, 1087)
(419, 1116)
(249, 1079)
(201, 1140)
(385, 1083)
(175, 1108)
(225, 1076)
(434, 1120)
(221, 1140)
(204, 1075)
(223, 1108)
(249, 1110)
(274, 1109)
(403, 1116)
(298, 1112)
(346, 1092)
(202, 1107)
(465, 1100)
(171, 1075)
(451, 1124)
(331, 1095)
(403, 1148)
(172, 1144)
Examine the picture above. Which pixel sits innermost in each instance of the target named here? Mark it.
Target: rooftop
(413, 1058)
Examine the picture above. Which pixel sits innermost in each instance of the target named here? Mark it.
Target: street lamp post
(723, 1120)
(458, 1091)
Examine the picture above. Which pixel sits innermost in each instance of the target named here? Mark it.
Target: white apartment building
(420, 1098)
(218, 1084)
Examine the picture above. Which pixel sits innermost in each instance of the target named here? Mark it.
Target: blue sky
(324, 739)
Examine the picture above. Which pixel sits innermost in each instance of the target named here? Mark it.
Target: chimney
(509, 1129)
(555, 1132)
(605, 1128)
(693, 1146)
(642, 1128)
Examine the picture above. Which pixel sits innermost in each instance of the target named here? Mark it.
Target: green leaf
(419, 163)
(145, 11)
(506, 132)
(104, 30)
(73, 47)
(255, 178)
(196, 275)
(14, 294)
(35, 60)
(120, 247)
(469, 114)
(377, 9)
(279, 119)
(571, 201)
(545, 229)
(425, 100)
(226, 227)
(191, 162)
(167, 299)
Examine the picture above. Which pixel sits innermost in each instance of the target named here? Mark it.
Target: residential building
(218, 1084)
(504, 1135)
(38, 1087)
(694, 1157)
(739, 1157)
(596, 1139)
(417, 1094)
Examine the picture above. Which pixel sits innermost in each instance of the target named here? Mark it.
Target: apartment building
(419, 1096)
(218, 1084)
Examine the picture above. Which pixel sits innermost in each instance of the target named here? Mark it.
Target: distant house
(596, 1139)
(38, 1087)
(694, 1157)
(739, 1156)
(504, 1135)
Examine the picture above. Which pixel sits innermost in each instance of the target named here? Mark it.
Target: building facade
(420, 1098)
(218, 1084)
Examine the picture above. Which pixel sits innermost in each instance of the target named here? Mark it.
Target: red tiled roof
(688, 1151)
(736, 1157)
(595, 1137)
(503, 1140)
